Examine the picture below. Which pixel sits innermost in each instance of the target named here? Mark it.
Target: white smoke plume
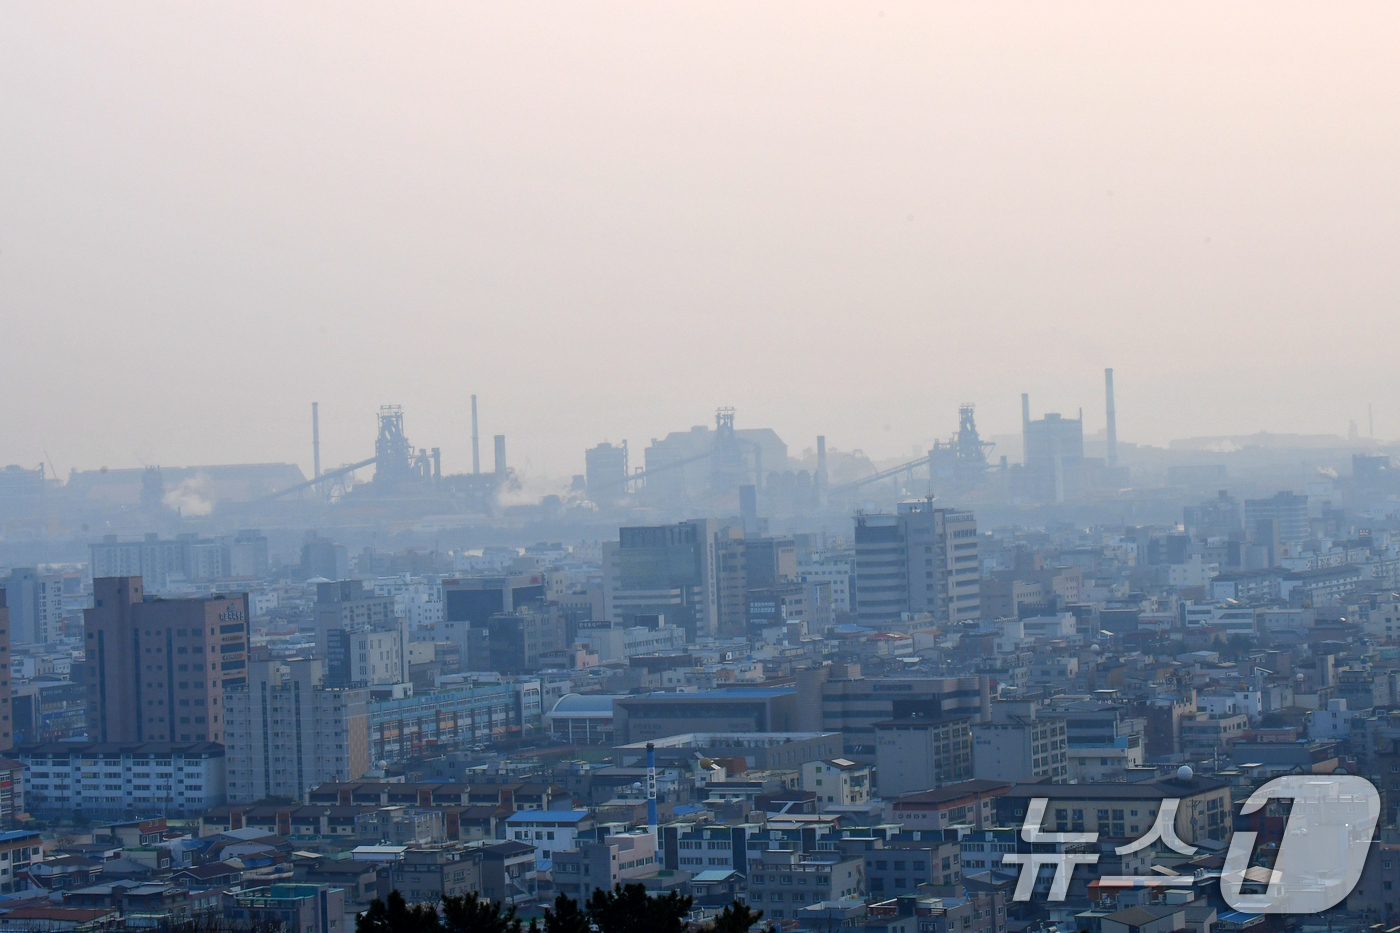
(187, 498)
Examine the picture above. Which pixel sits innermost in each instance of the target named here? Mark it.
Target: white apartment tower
(285, 732)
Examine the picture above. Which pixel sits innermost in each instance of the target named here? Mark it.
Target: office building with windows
(667, 570)
(109, 780)
(286, 731)
(922, 559)
(156, 669)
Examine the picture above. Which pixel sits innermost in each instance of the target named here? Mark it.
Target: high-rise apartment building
(834, 567)
(323, 558)
(920, 559)
(1287, 511)
(36, 606)
(286, 731)
(469, 604)
(7, 731)
(605, 472)
(186, 558)
(1214, 518)
(668, 570)
(745, 565)
(349, 604)
(367, 656)
(516, 641)
(1054, 454)
(359, 636)
(156, 668)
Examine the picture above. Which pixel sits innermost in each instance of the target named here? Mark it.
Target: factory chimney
(500, 455)
(1112, 455)
(476, 450)
(315, 440)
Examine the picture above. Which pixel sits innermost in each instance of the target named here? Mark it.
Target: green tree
(395, 916)
(737, 918)
(631, 910)
(471, 913)
(566, 917)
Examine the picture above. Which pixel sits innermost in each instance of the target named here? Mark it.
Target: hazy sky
(608, 219)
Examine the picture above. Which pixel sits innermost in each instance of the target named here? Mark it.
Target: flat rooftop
(729, 740)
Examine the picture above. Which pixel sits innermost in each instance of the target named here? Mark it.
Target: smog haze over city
(681, 445)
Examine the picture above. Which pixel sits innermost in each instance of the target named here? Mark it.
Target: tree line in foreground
(624, 909)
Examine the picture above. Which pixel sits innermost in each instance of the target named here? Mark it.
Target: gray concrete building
(668, 570)
(913, 755)
(287, 732)
(921, 559)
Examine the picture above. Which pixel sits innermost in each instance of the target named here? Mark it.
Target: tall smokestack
(476, 449)
(1112, 419)
(316, 440)
(500, 455)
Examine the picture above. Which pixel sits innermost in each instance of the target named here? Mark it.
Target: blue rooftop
(557, 816)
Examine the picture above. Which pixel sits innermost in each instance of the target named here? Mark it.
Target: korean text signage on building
(1319, 861)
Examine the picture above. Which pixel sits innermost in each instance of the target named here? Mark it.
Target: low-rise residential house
(361, 881)
(698, 846)
(837, 782)
(619, 859)
(967, 802)
(427, 874)
(549, 831)
(212, 875)
(1145, 919)
(901, 866)
(142, 903)
(508, 872)
(20, 850)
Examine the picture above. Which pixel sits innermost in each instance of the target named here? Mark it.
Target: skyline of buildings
(803, 688)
